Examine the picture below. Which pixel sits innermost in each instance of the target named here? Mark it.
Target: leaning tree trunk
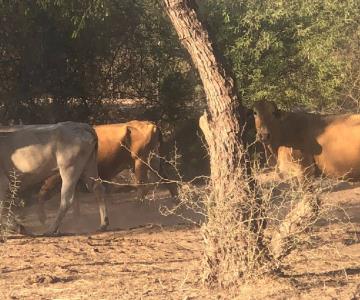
(233, 232)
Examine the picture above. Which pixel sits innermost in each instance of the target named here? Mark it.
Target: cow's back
(37, 151)
(120, 144)
(112, 153)
(339, 141)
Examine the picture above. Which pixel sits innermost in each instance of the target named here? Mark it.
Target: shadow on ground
(125, 212)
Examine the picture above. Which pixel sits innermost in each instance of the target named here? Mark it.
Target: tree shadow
(311, 280)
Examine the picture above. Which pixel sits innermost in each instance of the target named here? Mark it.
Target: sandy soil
(149, 256)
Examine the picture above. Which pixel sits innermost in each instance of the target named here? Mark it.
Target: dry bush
(294, 205)
(281, 209)
(277, 215)
(9, 205)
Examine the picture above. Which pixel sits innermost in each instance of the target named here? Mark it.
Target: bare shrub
(276, 218)
(282, 209)
(8, 206)
(295, 206)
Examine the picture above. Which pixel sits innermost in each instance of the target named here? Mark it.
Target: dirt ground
(146, 255)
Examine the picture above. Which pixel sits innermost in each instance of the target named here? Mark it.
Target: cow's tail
(172, 187)
(161, 152)
(91, 166)
(161, 142)
(96, 139)
(82, 128)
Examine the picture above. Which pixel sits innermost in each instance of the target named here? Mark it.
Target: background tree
(294, 53)
(233, 230)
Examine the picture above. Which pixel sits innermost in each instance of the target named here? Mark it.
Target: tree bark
(233, 240)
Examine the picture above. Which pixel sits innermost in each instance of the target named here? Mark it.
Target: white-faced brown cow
(132, 145)
(36, 152)
(331, 143)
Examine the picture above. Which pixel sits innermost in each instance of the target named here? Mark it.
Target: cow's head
(267, 122)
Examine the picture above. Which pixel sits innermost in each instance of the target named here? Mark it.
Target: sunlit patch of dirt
(149, 256)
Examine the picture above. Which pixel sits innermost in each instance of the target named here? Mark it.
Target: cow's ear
(250, 113)
(277, 114)
(276, 111)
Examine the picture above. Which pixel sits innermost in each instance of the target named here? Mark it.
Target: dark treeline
(60, 59)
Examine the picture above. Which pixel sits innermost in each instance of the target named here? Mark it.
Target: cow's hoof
(42, 218)
(104, 225)
(102, 228)
(22, 230)
(51, 234)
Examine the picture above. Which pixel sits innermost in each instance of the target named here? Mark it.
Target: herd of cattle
(67, 152)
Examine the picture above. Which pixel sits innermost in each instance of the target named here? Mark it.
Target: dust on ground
(146, 255)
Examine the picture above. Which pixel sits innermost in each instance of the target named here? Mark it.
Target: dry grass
(288, 210)
(276, 219)
(284, 211)
(163, 262)
(9, 206)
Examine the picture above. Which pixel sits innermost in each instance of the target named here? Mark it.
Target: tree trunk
(233, 232)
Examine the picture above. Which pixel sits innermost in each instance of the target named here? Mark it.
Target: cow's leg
(99, 190)
(158, 173)
(46, 192)
(90, 176)
(170, 185)
(70, 177)
(141, 178)
(76, 206)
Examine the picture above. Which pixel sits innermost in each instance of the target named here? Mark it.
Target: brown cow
(330, 142)
(288, 162)
(135, 144)
(292, 163)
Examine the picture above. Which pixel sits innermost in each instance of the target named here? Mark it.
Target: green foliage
(60, 57)
(40, 57)
(288, 51)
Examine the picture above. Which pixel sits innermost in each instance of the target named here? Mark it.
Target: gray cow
(39, 151)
